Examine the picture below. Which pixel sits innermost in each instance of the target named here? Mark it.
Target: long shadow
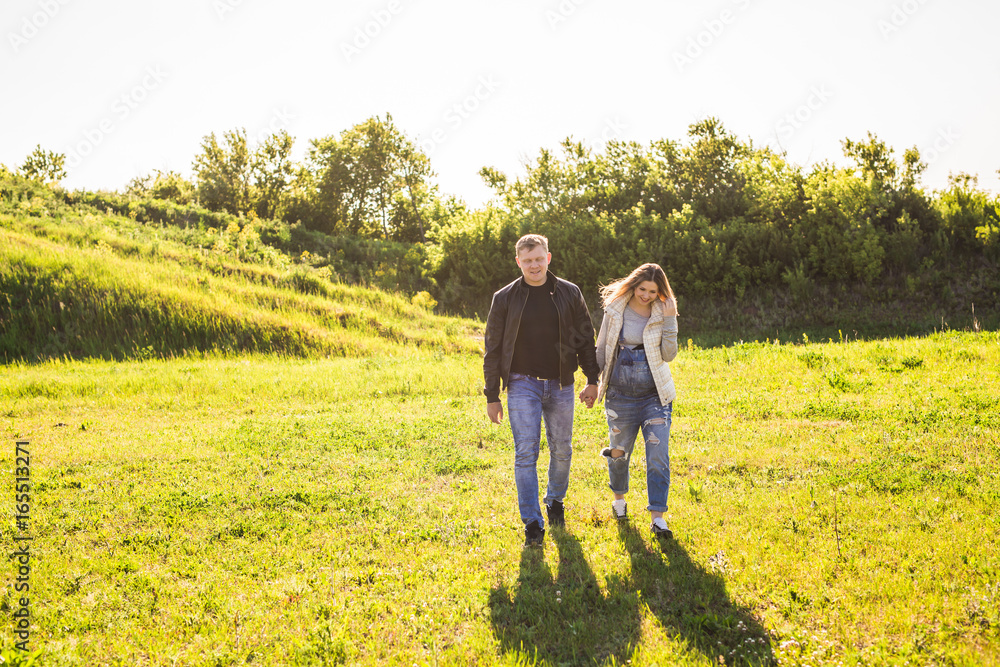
(569, 620)
(691, 602)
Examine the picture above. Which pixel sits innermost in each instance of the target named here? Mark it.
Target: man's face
(534, 264)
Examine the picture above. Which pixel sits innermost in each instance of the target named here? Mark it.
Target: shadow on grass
(570, 620)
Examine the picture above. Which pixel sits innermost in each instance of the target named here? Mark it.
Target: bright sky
(124, 87)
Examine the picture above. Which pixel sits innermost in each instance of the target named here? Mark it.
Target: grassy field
(833, 504)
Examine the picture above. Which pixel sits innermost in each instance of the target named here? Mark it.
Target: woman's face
(646, 292)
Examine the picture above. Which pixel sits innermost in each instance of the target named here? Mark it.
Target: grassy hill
(77, 282)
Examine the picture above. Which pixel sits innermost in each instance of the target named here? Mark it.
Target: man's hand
(589, 395)
(495, 412)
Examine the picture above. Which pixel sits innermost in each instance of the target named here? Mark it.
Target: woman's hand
(669, 308)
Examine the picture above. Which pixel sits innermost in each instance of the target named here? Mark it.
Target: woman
(638, 337)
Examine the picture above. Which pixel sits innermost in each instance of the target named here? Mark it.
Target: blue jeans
(528, 401)
(632, 403)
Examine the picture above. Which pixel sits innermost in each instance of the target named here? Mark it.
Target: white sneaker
(620, 509)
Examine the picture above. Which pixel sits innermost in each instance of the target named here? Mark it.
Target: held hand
(495, 412)
(589, 395)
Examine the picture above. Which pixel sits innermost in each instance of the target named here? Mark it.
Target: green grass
(82, 286)
(832, 504)
(237, 460)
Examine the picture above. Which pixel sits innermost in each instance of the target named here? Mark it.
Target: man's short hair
(529, 241)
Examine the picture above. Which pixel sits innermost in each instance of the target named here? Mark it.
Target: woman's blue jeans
(528, 401)
(632, 403)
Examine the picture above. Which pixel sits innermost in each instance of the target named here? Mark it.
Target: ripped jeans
(632, 403)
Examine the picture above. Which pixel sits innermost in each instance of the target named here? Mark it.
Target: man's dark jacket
(576, 334)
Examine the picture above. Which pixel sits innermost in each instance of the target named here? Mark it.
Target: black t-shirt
(536, 350)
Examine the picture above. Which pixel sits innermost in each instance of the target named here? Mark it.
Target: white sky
(126, 87)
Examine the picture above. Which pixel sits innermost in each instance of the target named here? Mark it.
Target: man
(537, 333)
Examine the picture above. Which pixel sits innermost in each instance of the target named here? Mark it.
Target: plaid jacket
(659, 326)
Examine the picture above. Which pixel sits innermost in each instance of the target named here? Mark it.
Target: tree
(967, 213)
(912, 168)
(272, 170)
(223, 173)
(415, 191)
(709, 174)
(167, 185)
(874, 159)
(44, 166)
(370, 180)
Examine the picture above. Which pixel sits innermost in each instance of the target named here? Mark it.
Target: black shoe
(663, 533)
(533, 534)
(556, 513)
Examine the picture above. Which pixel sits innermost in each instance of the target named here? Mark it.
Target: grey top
(633, 325)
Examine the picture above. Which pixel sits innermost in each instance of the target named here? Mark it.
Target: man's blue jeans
(528, 401)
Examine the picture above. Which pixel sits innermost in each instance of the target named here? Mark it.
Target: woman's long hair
(627, 285)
